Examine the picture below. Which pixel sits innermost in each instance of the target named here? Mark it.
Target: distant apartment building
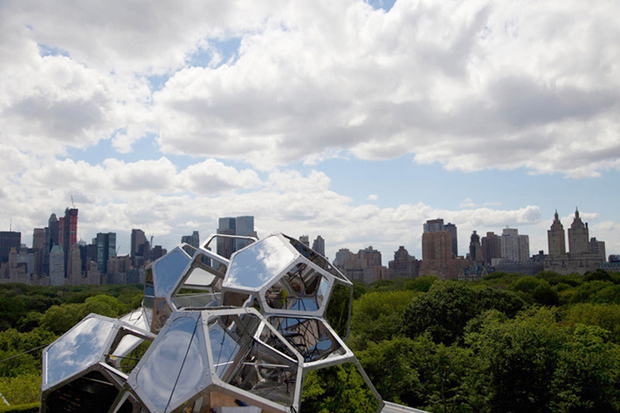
(319, 245)
(365, 266)
(438, 252)
(8, 240)
(404, 265)
(193, 240)
(515, 247)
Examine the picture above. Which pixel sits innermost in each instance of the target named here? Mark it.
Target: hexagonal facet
(243, 359)
(78, 349)
(258, 264)
(310, 336)
(174, 366)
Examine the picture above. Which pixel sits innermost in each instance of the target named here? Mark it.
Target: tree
(517, 359)
(377, 316)
(587, 378)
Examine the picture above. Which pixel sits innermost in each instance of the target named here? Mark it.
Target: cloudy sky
(357, 120)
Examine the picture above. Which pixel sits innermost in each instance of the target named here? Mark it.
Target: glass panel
(199, 277)
(302, 289)
(316, 258)
(268, 374)
(309, 336)
(197, 301)
(338, 309)
(78, 349)
(259, 263)
(339, 387)
(168, 270)
(230, 336)
(224, 348)
(160, 372)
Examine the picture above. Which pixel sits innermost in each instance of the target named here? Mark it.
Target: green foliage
(22, 389)
(606, 316)
(389, 366)
(377, 316)
(447, 308)
(518, 358)
(337, 312)
(587, 377)
(338, 389)
(422, 283)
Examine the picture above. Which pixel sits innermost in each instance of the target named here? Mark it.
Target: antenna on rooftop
(72, 203)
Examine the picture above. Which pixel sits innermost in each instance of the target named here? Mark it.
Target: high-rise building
(515, 247)
(451, 228)
(193, 240)
(140, 248)
(578, 236)
(244, 228)
(57, 266)
(475, 248)
(305, 239)
(598, 248)
(8, 240)
(434, 225)
(491, 247)
(241, 226)
(226, 246)
(106, 249)
(68, 233)
(404, 265)
(319, 245)
(38, 238)
(556, 237)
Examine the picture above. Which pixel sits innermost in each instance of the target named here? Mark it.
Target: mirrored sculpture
(212, 334)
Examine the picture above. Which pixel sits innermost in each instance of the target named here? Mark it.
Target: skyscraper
(8, 240)
(491, 247)
(242, 226)
(319, 245)
(226, 246)
(68, 232)
(578, 236)
(556, 238)
(451, 228)
(515, 247)
(475, 249)
(106, 249)
(245, 228)
(138, 247)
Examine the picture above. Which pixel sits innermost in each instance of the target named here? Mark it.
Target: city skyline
(357, 121)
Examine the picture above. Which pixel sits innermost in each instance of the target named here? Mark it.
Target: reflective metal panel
(163, 366)
(168, 270)
(258, 264)
(301, 289)
(309, 336)
(78, 349)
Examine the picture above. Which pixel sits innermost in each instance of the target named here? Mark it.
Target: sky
(354, 120)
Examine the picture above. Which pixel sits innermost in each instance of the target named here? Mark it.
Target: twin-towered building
(584, 253)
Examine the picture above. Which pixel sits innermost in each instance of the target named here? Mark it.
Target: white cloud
(372, 197)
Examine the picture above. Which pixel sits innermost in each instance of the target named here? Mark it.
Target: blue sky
(354, 120)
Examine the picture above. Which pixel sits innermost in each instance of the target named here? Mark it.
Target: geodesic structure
(227, 335)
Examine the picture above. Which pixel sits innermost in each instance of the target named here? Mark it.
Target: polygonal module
(78, 374)
(285, 277)
(204, 359)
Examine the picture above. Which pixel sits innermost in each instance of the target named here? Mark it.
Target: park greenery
(507, 343)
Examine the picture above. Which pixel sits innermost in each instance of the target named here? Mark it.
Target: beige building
(584, 254)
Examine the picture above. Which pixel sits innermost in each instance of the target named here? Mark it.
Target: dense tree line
(507, 343)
